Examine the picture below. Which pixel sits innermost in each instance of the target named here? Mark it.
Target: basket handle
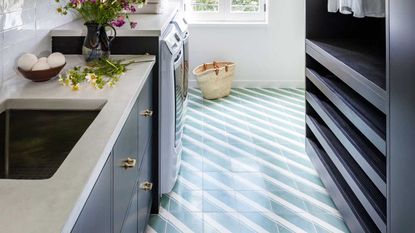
(215, 65)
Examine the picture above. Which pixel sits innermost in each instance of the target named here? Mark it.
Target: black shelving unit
(354, 214)
(365, 154)
(347, 96)
(356, 63)
(363, 188)
(369, 120)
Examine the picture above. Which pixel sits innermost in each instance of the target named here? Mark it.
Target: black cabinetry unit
(347, 111)
(360, 111)
(122, 196)
(401, 127)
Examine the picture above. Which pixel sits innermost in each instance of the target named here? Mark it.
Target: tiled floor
(244, 169)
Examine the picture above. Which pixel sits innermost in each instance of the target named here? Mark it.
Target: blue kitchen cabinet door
(96, 215)
(125, 173)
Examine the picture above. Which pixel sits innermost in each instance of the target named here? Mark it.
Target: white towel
(359, 8)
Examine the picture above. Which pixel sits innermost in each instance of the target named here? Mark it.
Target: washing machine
(172, 100)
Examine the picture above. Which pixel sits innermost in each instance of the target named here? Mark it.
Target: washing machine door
(179, 91)
(186, 64)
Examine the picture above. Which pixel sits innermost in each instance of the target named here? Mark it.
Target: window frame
(224, 13)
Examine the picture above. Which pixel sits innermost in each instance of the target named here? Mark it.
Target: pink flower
(119, 22)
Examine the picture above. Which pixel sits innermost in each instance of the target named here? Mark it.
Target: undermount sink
(34, 143)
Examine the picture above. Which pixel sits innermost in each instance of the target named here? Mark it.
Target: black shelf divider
(370, 160)
(355, 64)
(370, 121)
(366, 192)
(349, 206)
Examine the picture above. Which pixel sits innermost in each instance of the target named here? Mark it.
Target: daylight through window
(226, 10)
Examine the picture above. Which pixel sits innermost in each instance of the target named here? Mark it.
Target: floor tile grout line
(263, 150)
(284, 221)
(279, 105)
(289, 98)
(220, 204)
(253, 118)
(251, 90)
(248, 132)
(309, 217)
(257, 127)
(227, 100)
(276, 168)
(332, 210)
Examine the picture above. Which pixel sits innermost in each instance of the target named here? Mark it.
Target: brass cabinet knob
(147, 113)
(146, 186)
(129, 163)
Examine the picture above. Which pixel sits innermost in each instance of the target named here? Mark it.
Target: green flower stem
(98, 73)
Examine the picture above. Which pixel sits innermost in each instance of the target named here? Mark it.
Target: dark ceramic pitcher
(97, 44)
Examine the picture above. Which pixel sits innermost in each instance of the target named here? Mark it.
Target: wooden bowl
(41, 75)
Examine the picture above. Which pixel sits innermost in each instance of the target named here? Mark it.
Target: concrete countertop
(149, 25)
(53, 205)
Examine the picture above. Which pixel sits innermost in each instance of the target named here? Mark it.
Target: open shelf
(369, 120)
(358, 63)
(356, 217)
(372, 162)
(366, 192)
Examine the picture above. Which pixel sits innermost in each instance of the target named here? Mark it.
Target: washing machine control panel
(177, 37)
(174, 41)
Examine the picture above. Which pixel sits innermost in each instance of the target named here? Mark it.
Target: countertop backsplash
(24, 27)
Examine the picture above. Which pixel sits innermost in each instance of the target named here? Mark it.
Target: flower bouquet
(99, 15)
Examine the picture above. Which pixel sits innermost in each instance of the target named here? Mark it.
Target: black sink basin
(34, 143)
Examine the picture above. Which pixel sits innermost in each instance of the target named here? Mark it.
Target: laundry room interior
(207, 116)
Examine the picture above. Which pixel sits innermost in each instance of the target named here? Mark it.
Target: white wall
(266, 55)
(24, 27)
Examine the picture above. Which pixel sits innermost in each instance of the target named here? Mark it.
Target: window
(226, 10)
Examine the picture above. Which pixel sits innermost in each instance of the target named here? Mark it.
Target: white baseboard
(261, 84)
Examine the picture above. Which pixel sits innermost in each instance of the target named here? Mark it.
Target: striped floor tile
(244, 169)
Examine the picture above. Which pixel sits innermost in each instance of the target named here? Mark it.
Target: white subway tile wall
(24, 27)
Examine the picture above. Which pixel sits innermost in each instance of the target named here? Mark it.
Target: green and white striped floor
(244, 169)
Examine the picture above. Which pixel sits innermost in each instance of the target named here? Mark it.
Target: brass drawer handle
(129, 163)
(147, 113)
(146, 186)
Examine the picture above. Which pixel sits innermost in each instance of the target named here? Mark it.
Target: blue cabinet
(145, 188)
(125, 167)
(145, 118)
(139, 206)
(130, 224)
(121, 198)
(96, 216)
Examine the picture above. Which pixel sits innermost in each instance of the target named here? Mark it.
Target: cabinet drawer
(145, 106)
(125, 172)
(137, 215)
(144, 194)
